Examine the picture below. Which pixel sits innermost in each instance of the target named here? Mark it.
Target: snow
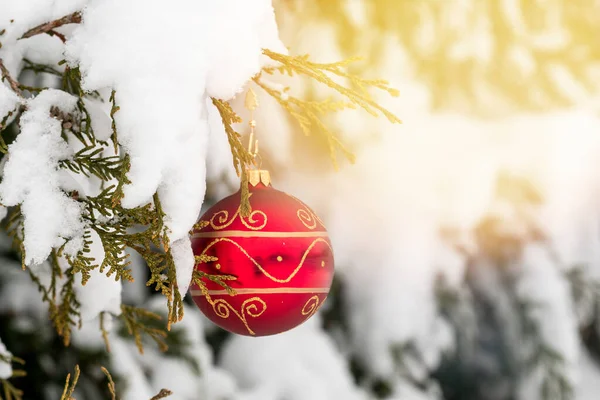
(183, 258)
(589, 382)
(543, 283)
(168, 154)
(16, 18)
(3, 213)
(124, 363)
(299, 364)
(5, 367)
(9, 101)
(149, 373)
(100, 115)
(31, 178)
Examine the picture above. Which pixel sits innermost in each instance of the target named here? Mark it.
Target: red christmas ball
(280, 255)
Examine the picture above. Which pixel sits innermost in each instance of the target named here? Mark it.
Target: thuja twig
(8, 389)
(111, 383)
(307, 113)
(137, 322)
(317, 71)
(241, 156)
(49, 27)
(70, 385)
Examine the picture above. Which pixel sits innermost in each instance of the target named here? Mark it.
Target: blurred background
(467, 239)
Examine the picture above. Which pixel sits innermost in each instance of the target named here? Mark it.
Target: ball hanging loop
(255, 175)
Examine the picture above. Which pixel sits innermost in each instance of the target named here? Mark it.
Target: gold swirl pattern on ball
(249, 307)
(220, 220)
(308, 218)
(310, 307)
(260, 267)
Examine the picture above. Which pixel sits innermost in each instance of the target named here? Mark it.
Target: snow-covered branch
(14, 85)
(48, 27)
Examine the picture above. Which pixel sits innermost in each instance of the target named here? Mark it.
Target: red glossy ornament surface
(281, 256)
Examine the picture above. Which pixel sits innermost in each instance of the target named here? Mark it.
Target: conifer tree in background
(498, 343)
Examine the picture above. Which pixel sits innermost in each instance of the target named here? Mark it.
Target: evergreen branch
(199, 276)
(241, 156)
(39, 68)
(31, 89)
(59, 35)
(88, 161)
(111, 383)
(160, 263)
(301, 65)
(116, 258)
(137, 322)
(10, 391)
(162, 394)
(174, 299)
(104, 332)
(71, 81)
(4, 125)
(122, 180)
(554, 383)
(49, 295)
(81, 263)
(199, 225)
(47, 27)
(307, 114)
(5, 75)
(14, 227)
(113, 110)
(69, 388)
(70, 385)
(63, 316)
(203, 258)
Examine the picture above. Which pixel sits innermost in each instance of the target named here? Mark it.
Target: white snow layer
(8, 101)
(202, 49)
(5, 367)
(153, 371)
(32, 178)
(183, 257)
(300, 364)
(16, 18)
